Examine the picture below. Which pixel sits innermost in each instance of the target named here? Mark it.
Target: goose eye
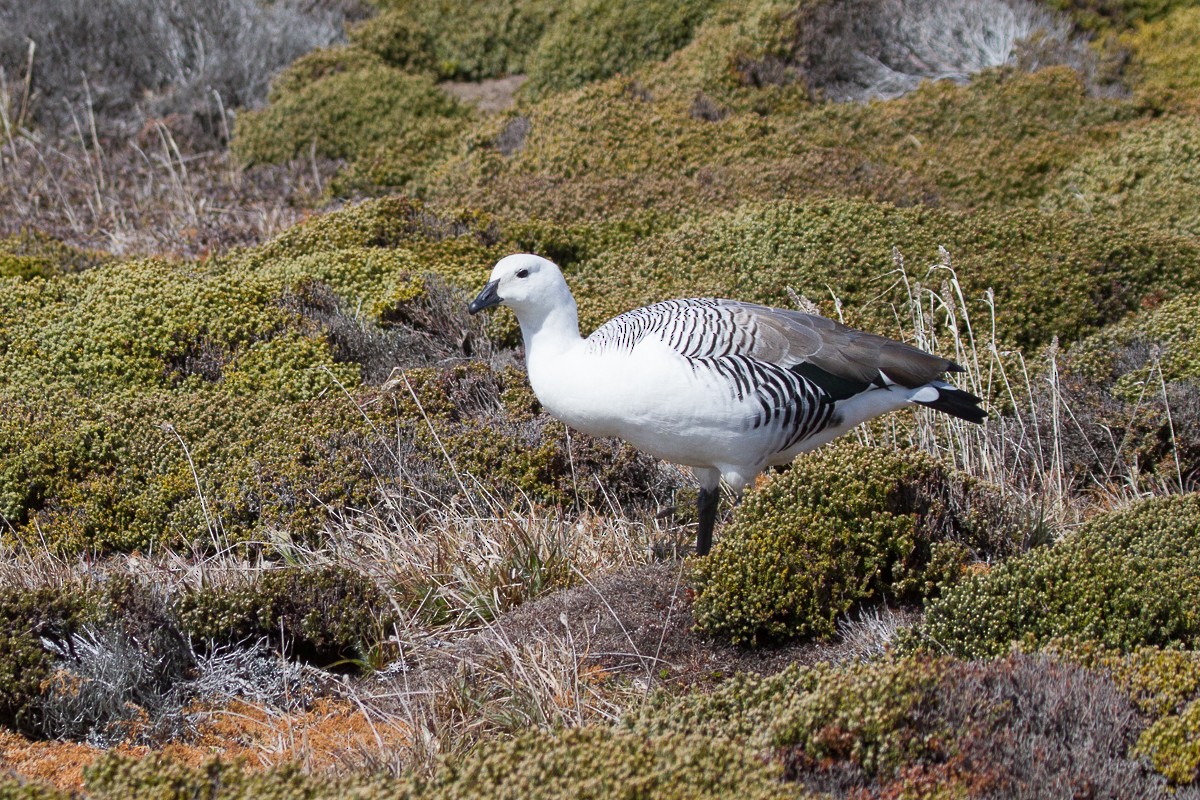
(522, 273)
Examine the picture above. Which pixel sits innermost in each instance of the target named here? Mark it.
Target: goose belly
(661, 406)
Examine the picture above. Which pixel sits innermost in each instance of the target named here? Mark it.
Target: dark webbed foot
(706, 508)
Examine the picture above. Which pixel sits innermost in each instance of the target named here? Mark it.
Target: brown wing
(789, 338)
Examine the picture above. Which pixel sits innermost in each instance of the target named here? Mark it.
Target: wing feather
(706, 328)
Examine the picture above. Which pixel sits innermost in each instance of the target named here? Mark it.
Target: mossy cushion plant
(1050, 275)
(153, 402)
(1125, 579)
(348, 113)
(844, 525)
(327, 616)
(27, 617)
(593, 39)
(1150, 176)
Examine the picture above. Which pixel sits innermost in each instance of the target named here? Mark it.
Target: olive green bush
(593, 39)
(27, 617)
(15, 789)
(30, 254)
(324, 616)
(921, 726)
(1164, 57)
(845, 525)
(1105, 15)
(157, 777)
(350, 113)
(1165, 685)
(1050, 275)
(997, 142)
(1148, 177)
(458, 39)
(1125, 579)
(601, 763)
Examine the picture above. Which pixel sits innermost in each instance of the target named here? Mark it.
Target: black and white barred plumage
(725, 387)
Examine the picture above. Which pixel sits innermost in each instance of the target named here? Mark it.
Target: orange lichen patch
(323, 736)
(330, 734)
(60, 764)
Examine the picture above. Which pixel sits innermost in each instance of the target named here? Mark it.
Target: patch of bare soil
(490, 96)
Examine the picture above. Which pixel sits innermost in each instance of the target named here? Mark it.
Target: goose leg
(706, 507)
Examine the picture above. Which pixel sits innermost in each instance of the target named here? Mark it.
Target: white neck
(549, 331)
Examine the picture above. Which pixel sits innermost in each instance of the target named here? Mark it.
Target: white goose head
(530, 285)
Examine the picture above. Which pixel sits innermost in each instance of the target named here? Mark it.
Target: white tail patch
(926, 394)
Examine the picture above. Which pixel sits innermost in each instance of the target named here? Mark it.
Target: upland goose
(724, 387)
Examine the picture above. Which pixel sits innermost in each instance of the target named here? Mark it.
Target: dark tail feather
(957, 403)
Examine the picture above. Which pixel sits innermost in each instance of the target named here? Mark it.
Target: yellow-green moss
(1150, 176)
(601, 763)
(347, 113)
(327, 615)
(27, 617)
(15, 789)
(157, 777)
(1166, 56)
(462, 39)
(593, 39)
(30, 254)
(844, 525)
(1050, 275)
(1125, 579)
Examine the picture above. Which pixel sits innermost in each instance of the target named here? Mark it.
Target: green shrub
(593, 39)
(30, 254)
(1125, 579)
(845, 525)
(1165, 684)
(1166, 56)
(925, 727)
(325, 615)
(1050, 275)
(157, 777)
(995, 143)
(15, 789)
(466, 39)
(347, 113)
(398, 38)
(27, 617)
(600, 763)
(1150, 176)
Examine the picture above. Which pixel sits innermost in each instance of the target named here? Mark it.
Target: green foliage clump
(1050, 275)
(30, 254)
(351, 113)
(15, 789)
(925, 727)
(869, 715)
(593, 39)
(1166, 57)
(843, 526)
(1165, 685)
(27, 617)
(158, 777)
(995, 143)
(1125, 579)
(461, 39)
(1150, 176)
(1107, 15)
(324, 615)
(601, 763)
(152, 402)
(873, 716)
